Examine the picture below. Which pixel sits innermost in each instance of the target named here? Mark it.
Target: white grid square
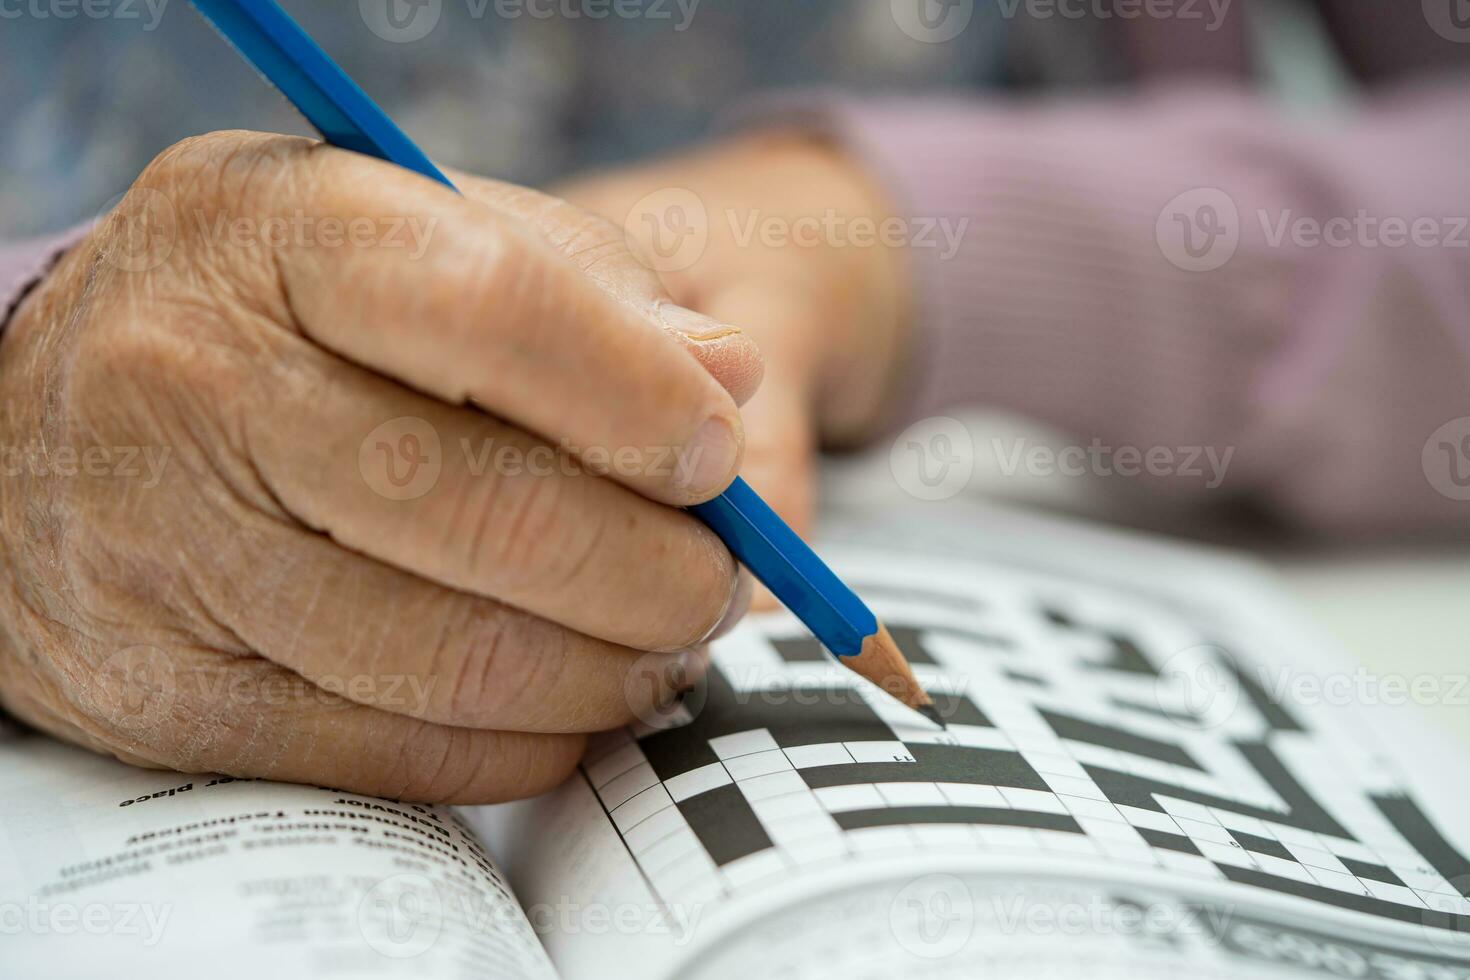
(1280, 866)
(1033, 799)
(821, 754)
(772, 784)
(1225, 854)
(1152, 819)
(912, 794)
(755, 764)
(859, 797)
(614, 764)
(641, 807)
(972, 794)
(878, 751)
(622, 788)
(728, 747)
(697, 781)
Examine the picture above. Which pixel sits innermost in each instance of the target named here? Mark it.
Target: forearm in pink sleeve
(1055, 280)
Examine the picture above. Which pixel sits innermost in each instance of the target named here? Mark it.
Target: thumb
(781, 436)
(780, 451)
(780, 458)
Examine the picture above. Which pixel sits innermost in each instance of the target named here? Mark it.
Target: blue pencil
(346, 117)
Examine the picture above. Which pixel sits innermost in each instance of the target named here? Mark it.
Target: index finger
(476, 307)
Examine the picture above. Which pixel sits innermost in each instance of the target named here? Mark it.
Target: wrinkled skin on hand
(396, 514)
(788, 237)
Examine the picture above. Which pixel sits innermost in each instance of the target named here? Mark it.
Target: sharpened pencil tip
(932, 713)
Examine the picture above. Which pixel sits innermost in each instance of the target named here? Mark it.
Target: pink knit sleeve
(1194, 270)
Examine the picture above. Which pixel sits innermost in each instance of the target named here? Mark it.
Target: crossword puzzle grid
(1060, 741)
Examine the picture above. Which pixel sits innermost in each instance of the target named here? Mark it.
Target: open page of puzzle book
(1152, 767)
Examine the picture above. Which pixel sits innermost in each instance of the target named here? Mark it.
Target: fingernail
(696, 326)
(707, 463)
(736, 608)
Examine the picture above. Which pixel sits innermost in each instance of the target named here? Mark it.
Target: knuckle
(140, 353)
(148, 702)
(594, 243)
(219, 167)
(495, 663)
(705, 575)
(141, 382)
(515, 530)
(498, 273)
(554, 763)
(191, 201)
(435, 764)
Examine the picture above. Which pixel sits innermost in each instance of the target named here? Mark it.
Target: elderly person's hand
(328, 474)
(788, 237)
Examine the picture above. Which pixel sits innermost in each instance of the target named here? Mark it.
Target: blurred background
(529, 90)
(533, 90)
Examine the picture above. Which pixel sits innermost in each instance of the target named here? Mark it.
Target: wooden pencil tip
(883, 663)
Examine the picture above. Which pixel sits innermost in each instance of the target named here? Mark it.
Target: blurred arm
(1055, 279)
